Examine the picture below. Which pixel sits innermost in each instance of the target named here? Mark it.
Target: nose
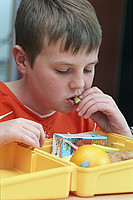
(77, 82)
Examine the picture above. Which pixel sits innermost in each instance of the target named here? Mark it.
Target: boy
(57, 45)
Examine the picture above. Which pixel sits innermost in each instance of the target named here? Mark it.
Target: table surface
(128, 196)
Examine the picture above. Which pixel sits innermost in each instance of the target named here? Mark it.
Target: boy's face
(58, 76)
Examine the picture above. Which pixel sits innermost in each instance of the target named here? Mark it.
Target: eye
(62, 71)
(87, 70)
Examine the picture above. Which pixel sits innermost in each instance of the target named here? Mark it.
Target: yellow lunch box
(36, 174)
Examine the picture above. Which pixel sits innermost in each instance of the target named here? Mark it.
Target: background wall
(6, 10)
(125, 97)
(114, 72)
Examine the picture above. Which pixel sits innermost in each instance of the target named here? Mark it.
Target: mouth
(74, 100)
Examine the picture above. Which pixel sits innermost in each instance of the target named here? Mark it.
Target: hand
(102, 109)
(22, 130)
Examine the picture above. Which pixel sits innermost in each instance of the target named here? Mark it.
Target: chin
(66, 110)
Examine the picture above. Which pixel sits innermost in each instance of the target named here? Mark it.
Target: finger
(105, 108)
(42, 137)
(103, 103)
(91, 91)
(31, 135)
(90, 100)
(33, 131)
(31, 128)
(36, 126)
(26, 139)
(38, 132)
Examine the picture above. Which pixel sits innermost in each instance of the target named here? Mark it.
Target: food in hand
(76, 100)
(106, 148)
(90, 156)
(120, 156)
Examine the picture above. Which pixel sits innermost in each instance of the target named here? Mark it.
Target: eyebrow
(70, 64)
(63, 63)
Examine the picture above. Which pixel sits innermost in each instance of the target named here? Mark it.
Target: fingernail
(77, 109)
(79, 114)
(42, 145)
(38, 145)
(85, 117)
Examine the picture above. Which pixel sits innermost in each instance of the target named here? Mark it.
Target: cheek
(92, 76)
(53, 87)
(89, 81)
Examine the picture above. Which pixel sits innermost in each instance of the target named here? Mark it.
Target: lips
(71, 100)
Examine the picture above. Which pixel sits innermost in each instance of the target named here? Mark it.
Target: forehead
(54, 53)
(59, 46)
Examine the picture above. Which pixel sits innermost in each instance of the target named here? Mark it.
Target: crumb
(120, 156)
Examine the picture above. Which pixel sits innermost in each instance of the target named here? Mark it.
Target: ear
(20, 59)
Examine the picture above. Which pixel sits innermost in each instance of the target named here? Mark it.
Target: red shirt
(11, 108)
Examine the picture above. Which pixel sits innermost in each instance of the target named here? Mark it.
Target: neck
(22, 92)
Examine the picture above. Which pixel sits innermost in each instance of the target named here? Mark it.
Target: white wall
(8, 70)
(5, 27)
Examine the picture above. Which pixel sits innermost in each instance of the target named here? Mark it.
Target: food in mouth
(76, 100)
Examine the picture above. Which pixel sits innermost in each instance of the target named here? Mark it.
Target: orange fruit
(90, 156)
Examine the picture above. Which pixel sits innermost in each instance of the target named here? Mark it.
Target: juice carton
(65, 144)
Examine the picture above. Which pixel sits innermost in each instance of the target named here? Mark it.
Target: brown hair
(74, 20)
